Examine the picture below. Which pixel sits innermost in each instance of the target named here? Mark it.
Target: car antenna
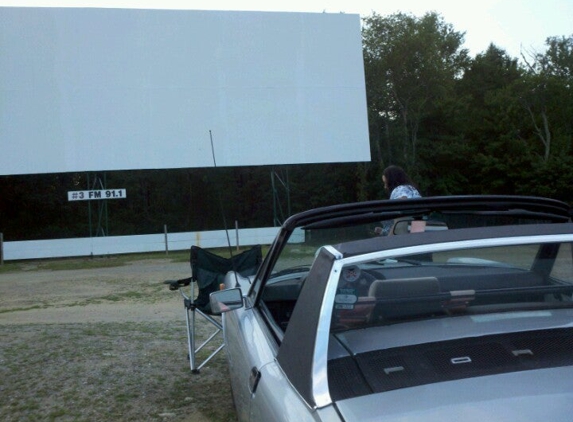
(223, 211)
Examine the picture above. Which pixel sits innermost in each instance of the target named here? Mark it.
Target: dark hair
(396, 176)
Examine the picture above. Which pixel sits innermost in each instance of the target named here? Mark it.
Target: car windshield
(304, 243)
(446, 283)
(357, 305)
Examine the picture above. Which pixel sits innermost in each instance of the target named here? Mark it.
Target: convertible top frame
(531, 207)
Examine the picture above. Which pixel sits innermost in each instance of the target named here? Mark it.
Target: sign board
(90, 195)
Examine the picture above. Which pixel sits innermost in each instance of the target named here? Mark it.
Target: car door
(276, 400)
(261, 389)
(249, 348)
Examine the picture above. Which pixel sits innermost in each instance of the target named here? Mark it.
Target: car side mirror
(226, 300)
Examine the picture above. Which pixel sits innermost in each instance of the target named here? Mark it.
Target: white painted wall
(112, 245)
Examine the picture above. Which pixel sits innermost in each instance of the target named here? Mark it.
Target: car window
(453, 283)
(520, 256)
(563, 268)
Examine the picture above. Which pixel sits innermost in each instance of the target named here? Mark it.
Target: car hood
(526, 396)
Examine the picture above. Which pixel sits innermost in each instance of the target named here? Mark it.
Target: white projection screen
(93, 89)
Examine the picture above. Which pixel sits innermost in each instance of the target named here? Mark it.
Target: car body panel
(273, 402)
(529, 396)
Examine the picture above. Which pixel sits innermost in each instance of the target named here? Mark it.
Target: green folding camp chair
(208, 271)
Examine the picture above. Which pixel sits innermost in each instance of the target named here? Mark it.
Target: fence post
(166, 243)
(1, 248)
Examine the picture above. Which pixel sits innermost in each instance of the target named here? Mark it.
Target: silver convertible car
(464, 312)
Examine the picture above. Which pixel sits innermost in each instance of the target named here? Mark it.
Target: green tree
(547, 95)
(411, 64)
(487, 125)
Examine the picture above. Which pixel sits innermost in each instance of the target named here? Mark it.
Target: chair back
(208, 270)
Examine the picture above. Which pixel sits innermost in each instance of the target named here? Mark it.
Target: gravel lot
(106, 344)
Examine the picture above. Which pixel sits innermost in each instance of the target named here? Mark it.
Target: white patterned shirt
(407, 191)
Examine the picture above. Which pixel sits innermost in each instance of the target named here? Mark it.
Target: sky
(514, 25)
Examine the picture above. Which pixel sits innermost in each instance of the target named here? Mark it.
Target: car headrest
(404, 287)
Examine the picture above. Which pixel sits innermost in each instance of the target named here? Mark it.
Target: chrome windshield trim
(461, 244)
(320, 389)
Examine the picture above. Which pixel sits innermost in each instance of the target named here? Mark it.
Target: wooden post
(166, 242)
(237, 233)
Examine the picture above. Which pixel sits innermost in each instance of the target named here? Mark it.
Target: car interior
(433, 285)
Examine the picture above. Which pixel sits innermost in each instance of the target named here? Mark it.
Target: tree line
(489, 124)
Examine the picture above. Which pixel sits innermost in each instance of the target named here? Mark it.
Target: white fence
(112, 245)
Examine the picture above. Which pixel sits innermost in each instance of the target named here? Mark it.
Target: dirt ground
(105, 344)
(79, 296)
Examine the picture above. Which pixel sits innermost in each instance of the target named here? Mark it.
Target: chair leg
(191, 338)
(191, 320)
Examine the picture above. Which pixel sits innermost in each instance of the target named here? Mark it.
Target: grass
(107, 372)
(8, 267)
(112, 371)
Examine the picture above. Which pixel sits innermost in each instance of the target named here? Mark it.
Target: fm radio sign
(91, 195)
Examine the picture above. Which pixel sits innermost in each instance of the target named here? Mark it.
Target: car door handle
(254, 378)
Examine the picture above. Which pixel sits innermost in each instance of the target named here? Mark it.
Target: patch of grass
(9, 267)
(108, 372)
(98, 262)
(128, 295)
(27, 308)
